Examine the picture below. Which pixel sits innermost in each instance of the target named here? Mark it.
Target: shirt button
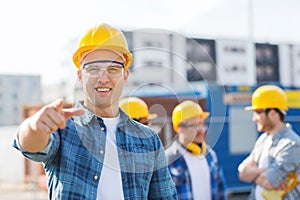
(101, 151)
(102, 129)
(95, 177)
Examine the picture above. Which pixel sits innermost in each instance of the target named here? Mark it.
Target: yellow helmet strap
(196, 149)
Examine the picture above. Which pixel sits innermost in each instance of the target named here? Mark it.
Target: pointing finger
(57, 104)
(69, 112)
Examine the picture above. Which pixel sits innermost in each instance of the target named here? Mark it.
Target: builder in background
(137, 109)
(193, 164)
(276, 154)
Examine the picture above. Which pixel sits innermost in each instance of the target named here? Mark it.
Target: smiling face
(264, 120)
(102, 93)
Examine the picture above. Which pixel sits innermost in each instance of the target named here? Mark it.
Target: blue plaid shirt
(284, 157)
(181, 176)
(73, 159)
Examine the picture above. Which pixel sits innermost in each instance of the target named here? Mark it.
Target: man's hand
(35, 131)
(285, 186)
(52, 117)
(248, 170)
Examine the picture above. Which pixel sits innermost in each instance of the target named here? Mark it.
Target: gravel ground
(21, 191)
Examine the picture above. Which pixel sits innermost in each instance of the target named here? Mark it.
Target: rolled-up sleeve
(40, 156)
(287, 160)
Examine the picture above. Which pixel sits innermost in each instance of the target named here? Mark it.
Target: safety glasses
(194, 126)
(110, 67)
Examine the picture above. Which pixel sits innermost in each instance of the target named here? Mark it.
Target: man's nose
(102, 75)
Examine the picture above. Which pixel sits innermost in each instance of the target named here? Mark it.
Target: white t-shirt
(110, 184)
(263, 162)
(199, 173)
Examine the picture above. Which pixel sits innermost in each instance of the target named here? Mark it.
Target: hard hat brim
(249, 108)
(204, 115)
(152, 116)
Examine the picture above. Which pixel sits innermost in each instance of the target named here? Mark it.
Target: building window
(15, 109)
(16, 83)
(201, 56)
(14, 95)
(152, 44)
(267, 63)
(153, 63)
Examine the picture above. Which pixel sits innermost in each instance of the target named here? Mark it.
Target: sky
(36, 35)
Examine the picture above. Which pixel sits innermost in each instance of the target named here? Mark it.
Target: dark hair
(281, 115)
(139, 120)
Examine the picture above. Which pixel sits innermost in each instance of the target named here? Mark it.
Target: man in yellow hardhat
(274, 163)
(95, 151)
(193, 164)
(137, 109)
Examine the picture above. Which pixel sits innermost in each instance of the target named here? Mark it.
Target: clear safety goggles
(199, 126)
(110, 67)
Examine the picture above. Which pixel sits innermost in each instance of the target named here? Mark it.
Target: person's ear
(179, 130)
(126, 74)
(79, 75)
(272, 112)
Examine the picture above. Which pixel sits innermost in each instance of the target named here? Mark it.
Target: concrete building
(159, 61)
(15, 92)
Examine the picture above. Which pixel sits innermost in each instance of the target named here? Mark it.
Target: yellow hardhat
(268, 96)
(103, 36)
(135, 108)
(186, 110)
